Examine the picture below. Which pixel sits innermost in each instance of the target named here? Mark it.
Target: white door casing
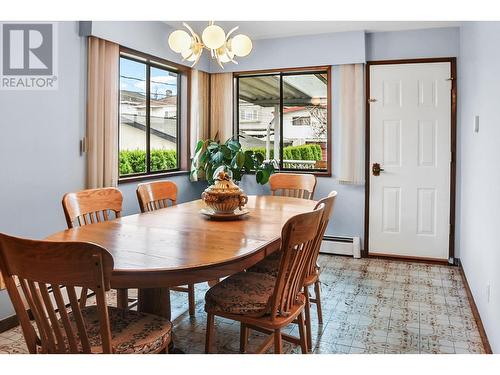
(410, 136)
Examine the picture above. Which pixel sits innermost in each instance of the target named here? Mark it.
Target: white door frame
(453, 63)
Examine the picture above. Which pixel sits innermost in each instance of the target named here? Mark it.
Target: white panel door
(410, 137)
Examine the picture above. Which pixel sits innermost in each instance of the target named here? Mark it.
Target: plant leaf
(258, 176)
(239, 160)
(233, 145)
(264, 177)
(213, 146)
(199, 146)
(218, 157)
(249, 162)
(226, 151)
(258, 158)
(236, 174)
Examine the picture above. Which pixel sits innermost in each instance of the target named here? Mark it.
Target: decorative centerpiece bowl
(224, 196)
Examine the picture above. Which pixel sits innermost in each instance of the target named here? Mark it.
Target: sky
(133, 78)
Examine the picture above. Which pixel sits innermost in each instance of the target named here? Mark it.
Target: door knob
(376, 169)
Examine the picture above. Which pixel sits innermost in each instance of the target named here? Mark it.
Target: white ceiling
(278, 29)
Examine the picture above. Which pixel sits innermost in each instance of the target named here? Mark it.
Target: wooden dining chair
(94, 206)
(265, 303)
(157, 195)
(293, 185)
(48, 273)
(270, 266)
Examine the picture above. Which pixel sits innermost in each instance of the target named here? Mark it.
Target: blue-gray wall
(39, 148)
(301, 51)
(441, 42)
(480, 173)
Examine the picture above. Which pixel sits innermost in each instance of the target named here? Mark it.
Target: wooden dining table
(177, 245)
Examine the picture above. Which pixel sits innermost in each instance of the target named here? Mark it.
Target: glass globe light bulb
(241, 45)
(213, 36)
(179, 41)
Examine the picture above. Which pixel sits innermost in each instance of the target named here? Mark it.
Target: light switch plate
(476, 124)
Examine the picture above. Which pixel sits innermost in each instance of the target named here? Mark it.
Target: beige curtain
(221, 106)
(352, 128)
(200, 111)
(102, 113)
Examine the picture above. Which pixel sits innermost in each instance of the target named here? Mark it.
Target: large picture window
(149, 119)
(285, 116)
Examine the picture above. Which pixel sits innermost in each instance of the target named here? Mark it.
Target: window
(149, 120)
(249, 114)
(301, 121)
(285, 116)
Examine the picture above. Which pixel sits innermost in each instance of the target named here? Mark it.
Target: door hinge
(451, 79)
(372, 100)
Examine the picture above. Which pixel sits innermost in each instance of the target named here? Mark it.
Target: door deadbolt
(376, 169)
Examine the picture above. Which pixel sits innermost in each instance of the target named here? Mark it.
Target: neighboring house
(301, 125)
(133, 119)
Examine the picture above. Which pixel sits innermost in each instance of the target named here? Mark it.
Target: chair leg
(192, 303)
(302, 334)
(278, 343)
(243, 337)
(122, 298)
(308, 317)
(317, 292)
(83, 297)
(210, 332)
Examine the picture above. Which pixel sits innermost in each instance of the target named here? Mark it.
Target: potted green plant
(212, 156)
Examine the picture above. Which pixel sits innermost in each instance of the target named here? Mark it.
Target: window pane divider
(281, 123)
(148, 119)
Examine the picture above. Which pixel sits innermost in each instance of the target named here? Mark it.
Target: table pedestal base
(157, 301)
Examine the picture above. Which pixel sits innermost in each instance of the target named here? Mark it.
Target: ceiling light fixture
(222, 48)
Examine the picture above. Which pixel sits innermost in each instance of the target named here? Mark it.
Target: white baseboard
(341, 246)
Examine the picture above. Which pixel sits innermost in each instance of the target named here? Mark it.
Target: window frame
(283, 73)
(159, 63)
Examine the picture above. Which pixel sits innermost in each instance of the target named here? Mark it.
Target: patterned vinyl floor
(369, 306)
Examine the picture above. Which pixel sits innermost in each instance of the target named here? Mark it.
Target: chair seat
(240, 294)
(132, 332)
(312, 278)
(269, 265)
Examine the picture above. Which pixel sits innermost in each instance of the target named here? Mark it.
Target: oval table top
(178, 245)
